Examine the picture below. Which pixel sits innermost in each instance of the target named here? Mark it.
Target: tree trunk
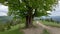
(29, 21)
(29, 17)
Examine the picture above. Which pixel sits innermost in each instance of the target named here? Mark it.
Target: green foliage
(45, 31)
(22, 7)
(5, 26)
(29, 8)
(1, 28)
(53, 24)
(2, 1)
(14, 30)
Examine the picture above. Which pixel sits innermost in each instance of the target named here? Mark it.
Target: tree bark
(29, 21)
(29, 17)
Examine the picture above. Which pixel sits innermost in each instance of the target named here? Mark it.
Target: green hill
(4, 19)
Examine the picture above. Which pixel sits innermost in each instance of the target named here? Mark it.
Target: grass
(14, 30)
(45, 32)
(54, 24)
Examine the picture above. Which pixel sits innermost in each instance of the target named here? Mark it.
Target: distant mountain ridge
(56, 18)
(5, 18)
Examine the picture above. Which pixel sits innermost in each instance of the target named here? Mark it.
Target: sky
(4, 10)
(57, 10)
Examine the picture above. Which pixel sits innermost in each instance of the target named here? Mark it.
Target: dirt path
(41, 27)
(33, 31)
(37, 30)
(52, 30)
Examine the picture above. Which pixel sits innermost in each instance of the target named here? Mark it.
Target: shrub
(45, 31)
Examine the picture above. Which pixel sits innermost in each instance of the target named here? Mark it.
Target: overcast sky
(57, 11)
(4, 10)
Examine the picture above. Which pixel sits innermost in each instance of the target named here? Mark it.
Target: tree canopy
(29, 8)
(21, 7)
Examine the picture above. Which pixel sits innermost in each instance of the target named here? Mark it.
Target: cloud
(57, 10)
(3, 10)
(3, 14)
